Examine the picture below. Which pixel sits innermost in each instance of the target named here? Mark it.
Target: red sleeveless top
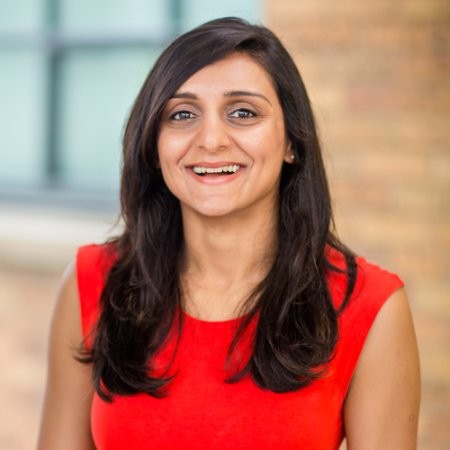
(203, 412)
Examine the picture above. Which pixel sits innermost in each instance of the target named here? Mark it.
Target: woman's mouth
(222, 170)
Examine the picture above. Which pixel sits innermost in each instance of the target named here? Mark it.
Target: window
(70, 73)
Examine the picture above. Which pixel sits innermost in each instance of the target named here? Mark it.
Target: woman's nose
(212, 134)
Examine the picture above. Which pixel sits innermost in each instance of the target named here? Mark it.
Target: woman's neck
(224, 260)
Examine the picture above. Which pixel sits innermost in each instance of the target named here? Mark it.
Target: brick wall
(378, 74)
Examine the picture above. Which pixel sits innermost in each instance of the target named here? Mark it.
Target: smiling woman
(228, 315)
(226, 124)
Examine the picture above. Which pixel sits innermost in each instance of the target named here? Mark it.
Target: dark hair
(296, 330)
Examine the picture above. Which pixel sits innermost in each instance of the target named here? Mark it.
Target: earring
(292, 156)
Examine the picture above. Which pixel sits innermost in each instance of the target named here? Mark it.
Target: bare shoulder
(382, 405)
(66, 314)
(65, 418)
(65, 330)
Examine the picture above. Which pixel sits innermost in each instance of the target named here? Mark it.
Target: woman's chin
(215, 209)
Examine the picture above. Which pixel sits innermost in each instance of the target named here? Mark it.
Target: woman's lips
(225, 170)
(215, 173)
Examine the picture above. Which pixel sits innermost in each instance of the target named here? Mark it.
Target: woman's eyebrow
(192, 96)
(246, 94)
(189, 95)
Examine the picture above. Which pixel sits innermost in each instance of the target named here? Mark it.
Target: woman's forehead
(236, 72)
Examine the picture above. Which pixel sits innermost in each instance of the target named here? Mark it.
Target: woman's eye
(182, 115)
(242, 113)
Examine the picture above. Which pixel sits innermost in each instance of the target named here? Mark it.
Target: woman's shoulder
(96, 256)
(373, 284)
(93, 262)
(376, 278)
(377, 296)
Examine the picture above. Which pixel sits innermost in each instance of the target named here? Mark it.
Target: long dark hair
(296, 329)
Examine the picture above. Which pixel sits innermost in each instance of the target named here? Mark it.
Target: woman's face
(222, 140)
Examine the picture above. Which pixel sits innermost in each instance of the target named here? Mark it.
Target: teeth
(225, 169)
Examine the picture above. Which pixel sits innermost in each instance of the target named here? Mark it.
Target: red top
(202, 411)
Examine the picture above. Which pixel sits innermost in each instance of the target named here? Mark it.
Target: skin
(226, 113)
(382, 404)
(228, 223)
(65, 419)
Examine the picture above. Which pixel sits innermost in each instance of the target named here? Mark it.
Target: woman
(227, 314)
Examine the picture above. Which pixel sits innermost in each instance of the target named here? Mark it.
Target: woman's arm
(66, 415)
(382, 405)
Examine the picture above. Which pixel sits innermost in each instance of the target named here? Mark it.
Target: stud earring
(292, 156)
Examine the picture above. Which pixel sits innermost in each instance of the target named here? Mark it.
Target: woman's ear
(289, 156)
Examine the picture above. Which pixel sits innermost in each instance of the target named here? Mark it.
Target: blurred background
(378, 74)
